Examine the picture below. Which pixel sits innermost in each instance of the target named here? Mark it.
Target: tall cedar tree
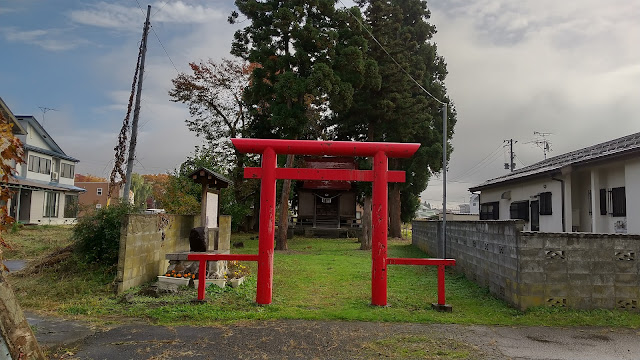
(399, 110)
(309, 58)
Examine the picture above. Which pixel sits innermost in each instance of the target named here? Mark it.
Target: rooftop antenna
(44, 111)
(542, 142)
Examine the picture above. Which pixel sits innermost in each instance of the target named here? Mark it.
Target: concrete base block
(442, 307)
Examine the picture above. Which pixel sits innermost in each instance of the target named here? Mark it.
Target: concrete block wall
(485, 251)
(578, 270)
(145, 239)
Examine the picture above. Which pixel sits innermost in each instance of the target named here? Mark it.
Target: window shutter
(603, 201)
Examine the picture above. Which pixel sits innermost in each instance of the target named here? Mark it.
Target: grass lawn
(28, 242)
(318, 279)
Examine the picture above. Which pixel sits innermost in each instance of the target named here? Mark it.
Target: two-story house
(595, 189)
(43, 188)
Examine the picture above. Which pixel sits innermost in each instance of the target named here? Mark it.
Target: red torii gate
(380, 176)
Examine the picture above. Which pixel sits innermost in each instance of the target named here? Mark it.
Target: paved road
(15, 265)
(299, 339)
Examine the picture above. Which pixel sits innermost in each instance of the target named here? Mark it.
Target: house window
(490, 211)
(71, 206)
(519, 210)
(67, 170)
(618, 202)
(545, 203)
(603, 201)
(98, 206)
(99, 191)
(45, 166)
(39, 164)
(50, 204)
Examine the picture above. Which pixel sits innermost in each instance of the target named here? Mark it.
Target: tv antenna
(542, 142)
(44, 111)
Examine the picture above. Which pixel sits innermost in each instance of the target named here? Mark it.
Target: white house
(43, 189)
(595, 189)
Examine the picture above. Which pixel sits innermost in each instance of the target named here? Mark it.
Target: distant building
(595, 189)
(96, 196)
(459, 217)
(465, 208)
(474, 204)
(43, 189)
(425, 211)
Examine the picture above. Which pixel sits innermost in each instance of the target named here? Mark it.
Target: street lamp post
(444, 180)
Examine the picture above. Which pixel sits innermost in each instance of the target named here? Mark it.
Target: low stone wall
(578, 270)
(144, 242)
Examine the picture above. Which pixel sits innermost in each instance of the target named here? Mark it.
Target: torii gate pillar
(379, 219)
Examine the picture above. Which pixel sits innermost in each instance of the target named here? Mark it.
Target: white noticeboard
(212, 210)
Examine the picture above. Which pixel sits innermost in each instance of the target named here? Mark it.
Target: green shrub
(98, 235)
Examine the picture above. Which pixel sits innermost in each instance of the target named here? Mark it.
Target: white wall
(474, 204)
(34, 139)
(632, 190)
(528, 191)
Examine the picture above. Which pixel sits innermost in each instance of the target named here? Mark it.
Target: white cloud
(126, 17)
(49, 39)
(565, 67)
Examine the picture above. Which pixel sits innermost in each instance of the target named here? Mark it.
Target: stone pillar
(224, 233)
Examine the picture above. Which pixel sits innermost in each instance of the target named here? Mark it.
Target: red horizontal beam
(324, 174)
(331, 148)
(217, 257)
(407, 261)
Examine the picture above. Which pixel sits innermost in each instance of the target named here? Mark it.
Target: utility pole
(543, 143)
(511, 165)
(136, 111)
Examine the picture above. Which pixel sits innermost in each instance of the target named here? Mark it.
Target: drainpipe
(562, 195)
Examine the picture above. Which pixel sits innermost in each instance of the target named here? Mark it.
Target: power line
(165, 50)
(492, 153)
(157, 11)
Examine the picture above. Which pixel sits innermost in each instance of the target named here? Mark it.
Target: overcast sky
(568, 68)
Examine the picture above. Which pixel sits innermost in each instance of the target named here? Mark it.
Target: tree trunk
(395, 209)
(283, 225)
(14, 329)
(365, 241)
(254, 225)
